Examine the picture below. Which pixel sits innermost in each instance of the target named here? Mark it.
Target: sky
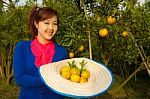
(142, 1)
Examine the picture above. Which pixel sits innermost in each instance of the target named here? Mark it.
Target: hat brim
(99, 82)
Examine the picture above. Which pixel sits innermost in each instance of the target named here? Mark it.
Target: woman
(30, 55)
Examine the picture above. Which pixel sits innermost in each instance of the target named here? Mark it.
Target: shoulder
(60, 47)
(23, 44)
(61, 51)
(21, 47)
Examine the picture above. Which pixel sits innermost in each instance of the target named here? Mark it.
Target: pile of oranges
(73, 73)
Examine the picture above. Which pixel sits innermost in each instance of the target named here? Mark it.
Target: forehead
(52, 18)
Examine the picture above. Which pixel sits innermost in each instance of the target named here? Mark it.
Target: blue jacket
(27, 76)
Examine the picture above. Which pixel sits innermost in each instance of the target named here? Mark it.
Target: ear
(36, 24)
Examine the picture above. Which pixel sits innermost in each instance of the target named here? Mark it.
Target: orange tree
(120, 53)
(118, 49)
(13, 28)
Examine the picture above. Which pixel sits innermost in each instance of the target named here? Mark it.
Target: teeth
(50, 32)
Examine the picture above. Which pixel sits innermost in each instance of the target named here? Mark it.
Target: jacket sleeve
(21, 77)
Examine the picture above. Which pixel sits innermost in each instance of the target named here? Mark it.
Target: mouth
(50, 33)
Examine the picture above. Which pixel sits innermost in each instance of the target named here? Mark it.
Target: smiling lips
(50, 32)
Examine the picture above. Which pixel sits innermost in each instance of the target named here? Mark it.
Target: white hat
(99, 82)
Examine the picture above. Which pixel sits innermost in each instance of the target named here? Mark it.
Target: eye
(46, 23)
(55, 23)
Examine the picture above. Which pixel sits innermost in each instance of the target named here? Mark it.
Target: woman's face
(46, 29)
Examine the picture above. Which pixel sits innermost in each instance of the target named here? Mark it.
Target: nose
(50, 26)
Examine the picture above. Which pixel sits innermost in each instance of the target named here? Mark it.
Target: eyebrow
(50, 20)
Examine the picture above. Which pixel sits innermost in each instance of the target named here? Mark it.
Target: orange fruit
(111, 20)
(81, 48)
(103, 32)
(65, 68)
(71, 55)
(82, 80)
(75, 71)
(85, 74)
(124, 34)
(75, 78)
(66, 74)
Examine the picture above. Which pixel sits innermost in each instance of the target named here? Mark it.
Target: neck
(42, 41)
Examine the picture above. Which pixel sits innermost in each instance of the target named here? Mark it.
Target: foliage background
(121, 55)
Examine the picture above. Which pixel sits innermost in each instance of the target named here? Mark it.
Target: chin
(49, 38)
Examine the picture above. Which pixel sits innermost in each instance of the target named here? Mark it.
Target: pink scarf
(43, 52)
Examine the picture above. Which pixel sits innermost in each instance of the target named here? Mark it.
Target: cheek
(56, 28)
(42, 28)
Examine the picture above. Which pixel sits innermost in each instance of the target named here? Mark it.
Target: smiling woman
(43, 23)
(30, 55)
(47, 29)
